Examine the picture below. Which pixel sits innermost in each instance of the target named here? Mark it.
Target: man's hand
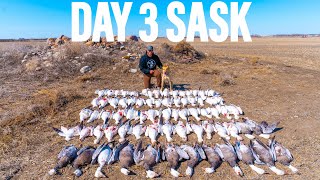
(151, 71)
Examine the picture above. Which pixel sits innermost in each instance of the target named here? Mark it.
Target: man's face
(149, 53)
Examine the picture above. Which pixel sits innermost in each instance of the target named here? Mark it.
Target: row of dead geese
(226, 129)
(228, 111)
(157, 93)
(127, 155)
(139, 102)
(156, 98)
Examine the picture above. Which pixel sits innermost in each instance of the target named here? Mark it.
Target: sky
(52, 18)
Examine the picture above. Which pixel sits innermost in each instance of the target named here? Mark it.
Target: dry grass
(183, 47)
(70, 50)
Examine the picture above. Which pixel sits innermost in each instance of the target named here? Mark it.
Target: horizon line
(253, 35)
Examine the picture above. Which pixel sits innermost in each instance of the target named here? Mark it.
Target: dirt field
(272, 79)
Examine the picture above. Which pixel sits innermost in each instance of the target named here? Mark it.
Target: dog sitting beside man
(148, 64)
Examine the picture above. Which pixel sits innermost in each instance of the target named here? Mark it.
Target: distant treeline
(253, 35)
(21, 40)
(296, 35)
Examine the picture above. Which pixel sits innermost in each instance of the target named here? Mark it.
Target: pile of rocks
(64, 56)
(55, 42)
(182, 52)
(103, 43)
(62, 52)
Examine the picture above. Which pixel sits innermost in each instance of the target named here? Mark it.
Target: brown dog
(165, 76)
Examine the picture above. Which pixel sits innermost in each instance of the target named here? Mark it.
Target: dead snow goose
(157, 103)
(134, 94)
(148, 159)
(192, 101)
(117, 116)
(174, 154)
(175, 94)
(150, 103)
(234, 110)
(98, 133)
(102, 154)
(152, 114)
(194, 112)
(205, 113)
(195, 92)
(182, 130)
(166, 102)
(198, 130)
(94, 116)
(69, 133)
(84, 158)
(156, 93)
(221, 130)
(123, 103)
(85, 132)
(131, 101)
(212, 157)
(65, 157)
(142, 116)
(175, 114)
(103, 102)
(228, 154)
(214, 112)
(194, 157)
(152, 132)
(140, 102)
(268, 129)
(232, 130)
(150, 94)
(166, 114)
(200, 101)
(124, 93)
(165, 92)
(167, 130)
(245, 154)
(282, 154)
(177, 102)
(130, 113)
(95, 102)
(114, 102)
(138, 130)
(123, 131)
(116, 93)
(85, 114)
(183, 114)
(110, 132)
(126, 159)
(184, 101)
(100, 93)
(245, 129)
(263, 154)
(105, 116)
(110, 93)
(188, 93)
(208, 127)
(145, 92)
(263, 129)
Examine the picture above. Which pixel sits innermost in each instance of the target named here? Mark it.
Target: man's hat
(150, 48)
